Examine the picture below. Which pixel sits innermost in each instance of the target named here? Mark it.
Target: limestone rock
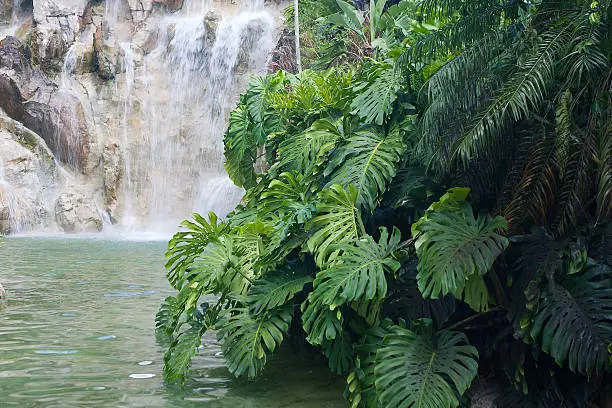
(140, 10)
(170, 5)
(32, 98)
(105, 55)
(75, 212)
(28, 176)
(113, 170)
(5, 226)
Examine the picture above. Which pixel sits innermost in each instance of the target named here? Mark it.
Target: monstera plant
(352, 238)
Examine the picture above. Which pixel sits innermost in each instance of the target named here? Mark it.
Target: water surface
(77, 330)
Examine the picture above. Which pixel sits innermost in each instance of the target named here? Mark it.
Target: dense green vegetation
(429, 204)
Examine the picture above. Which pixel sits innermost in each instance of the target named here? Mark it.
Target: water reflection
(64, 343)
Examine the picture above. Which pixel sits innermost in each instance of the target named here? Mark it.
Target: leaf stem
(472, 318)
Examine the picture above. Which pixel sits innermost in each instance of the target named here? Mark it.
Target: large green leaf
(307, 150)
(377, 93)
(181, 352)
(338, 222)
(247, 339)
(186, 246)
(240, 148)
(276, 290)
(456, 250)
(368, 160)
(221, 270)
(358, 276)
(574, 320)
(422, 370)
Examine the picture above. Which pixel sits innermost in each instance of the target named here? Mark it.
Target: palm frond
(574, 320)
(522, 94)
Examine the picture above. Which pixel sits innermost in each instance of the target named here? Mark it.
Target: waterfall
(142, 140)
(200, 66)
(128, 220)
(15, 213)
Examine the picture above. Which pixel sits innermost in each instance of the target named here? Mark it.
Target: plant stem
(472, 318)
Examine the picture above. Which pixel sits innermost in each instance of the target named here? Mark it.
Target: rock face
(128, 99)
(32, 98)
(28, 178)
(74, 212)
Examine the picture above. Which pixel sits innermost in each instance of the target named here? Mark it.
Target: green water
(79, 320)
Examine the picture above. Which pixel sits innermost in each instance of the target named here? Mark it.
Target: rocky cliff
(113, 112)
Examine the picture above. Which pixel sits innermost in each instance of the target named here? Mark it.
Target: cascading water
(199, 67)
(140, 105)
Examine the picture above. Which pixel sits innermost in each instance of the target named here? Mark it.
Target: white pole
(298, 54)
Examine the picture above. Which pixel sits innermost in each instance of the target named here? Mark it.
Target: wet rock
(75, 212)
(170, 5)
(28, 177)
(32, 98)
(84, 58)
(140, 10)
(5, 227)
(211, 22)
(145, 38)
(105, 54)
(113, 170)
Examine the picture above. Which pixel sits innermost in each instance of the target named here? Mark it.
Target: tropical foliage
(354, 237)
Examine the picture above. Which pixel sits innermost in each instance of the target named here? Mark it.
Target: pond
(77, 330)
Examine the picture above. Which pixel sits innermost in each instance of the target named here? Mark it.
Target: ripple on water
(56, 351)
(109, 337)
(141, 376)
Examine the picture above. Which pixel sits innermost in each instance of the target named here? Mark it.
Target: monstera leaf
(378, 93)
(338, 222)
(574, 320)
(240, 148)
(422, 370)
(246, 339)
(181, 351)
(456, 250)
(358, 276)
(368, 160)
(275, 290)
(186, 246)
(305, 151)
